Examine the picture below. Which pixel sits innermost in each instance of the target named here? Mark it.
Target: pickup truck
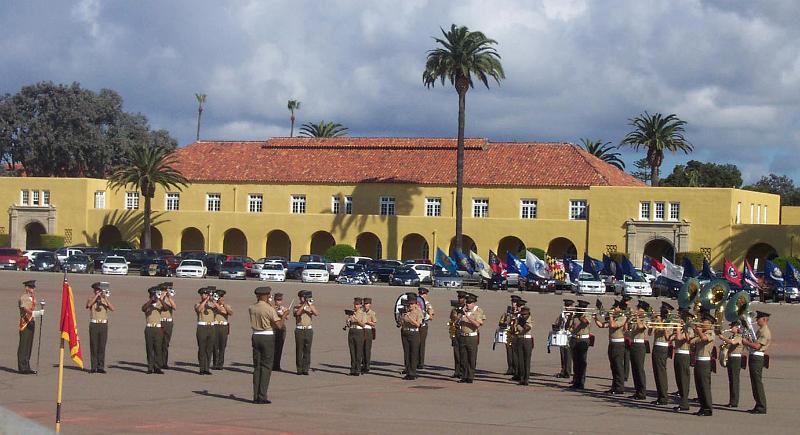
(12, 258)
(335, 268)
(295, 268)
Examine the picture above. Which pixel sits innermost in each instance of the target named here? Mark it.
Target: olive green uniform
(511, 354)
(409, 334)
(764, 337)
(263, 319)
(221, 331)
(369, 336)
(659, 360)
(469, 344)
(455, 341)
(26, 337)
(280, 339)
(638, 350)
(581, 330)
(565, 351)
(616, 355)
(355, 341)
(734, 367)
(423, 333)
(681, 364)
(205, 338)
(702, 370)
(166, 329)
(98, 333)
(153, 336)
(523, 344)
(303, 337)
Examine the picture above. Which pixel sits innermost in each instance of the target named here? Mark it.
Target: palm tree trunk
(146, 227)
(291, 132)
(199, 114)
(654, 174)
(462, 99)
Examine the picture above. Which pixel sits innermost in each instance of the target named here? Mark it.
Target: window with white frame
(433, 206)
(100, 199)
(644, 210)
(35, 198)
(674, 211)
(387, 206)
(480, 207)
(348, 205)
(298, 204)
(173, 201)
(577, 209)
(659, 211)
(739, 213)
(45, 198)
(255, 203)
(527, 208)
(764, 220)
(213, 201)
(25, 197)
(131, 200)
(336, 204)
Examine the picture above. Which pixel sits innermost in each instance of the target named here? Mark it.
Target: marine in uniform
(27, 328)
(152, 331)
(280, 333)
(355, 321)
(627, 361)
(703, 342)
(565, 351)
(660, 355)
(758, 360)
(638, 349)
(515, 339)
(455, 337)
(506, 323)
(681, 362)
(470, 323)
(423, 328)
(205, 329)
(580, 340)
(99, 304)
(734, 363)
(523, 344)
(369, 334)
(264, 320)
(615, 322)
(410, 322)
(222, 313)
(303, 332)
(169, 307)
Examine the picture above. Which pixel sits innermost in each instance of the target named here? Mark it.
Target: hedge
(51, 241)
(539, 253)
(695, 257)
(618, 256)
(337, 253)
(781, 262)
(4, 240)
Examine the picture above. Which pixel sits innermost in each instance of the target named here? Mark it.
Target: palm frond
(323, 129)
(463, 55)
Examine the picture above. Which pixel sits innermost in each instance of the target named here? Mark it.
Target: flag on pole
(463, 261)
(749, 276)
(445, 262)
(652, 266)
(515, 265)
(69, 327)
(791, 276)
(590, 266)
(672, 271)
(536, 265)
(555, 268)
(608, 266)
(731, 274)
(628, 269)
(496, 265)
(708, 272)
(773, 273)
(575, 269)
(689, 271)
(480, 265)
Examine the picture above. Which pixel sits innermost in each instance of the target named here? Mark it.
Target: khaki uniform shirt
(506, 319)
(154, 317)
(304, 319)
(703, 348)
(660, 336)
(618, 332)
(520, 330)
(372, 316)
(166, 313)
(685, 343)
(415, 315)
(206, 314)
(26, 301)
(359, 316)
(475, 314)
(98, 311)
(263, 316)
(737, 346)
(219, 317)
(638, 334)
(429, 310)
(764, 337)
(579, 328)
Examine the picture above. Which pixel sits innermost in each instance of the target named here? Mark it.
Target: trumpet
(662, 325)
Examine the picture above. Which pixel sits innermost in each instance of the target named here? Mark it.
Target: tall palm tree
(602, 150)
(201, 99)
(460, 55)
(657, 133)
(323, 129)
(147, 166)
(292, 105)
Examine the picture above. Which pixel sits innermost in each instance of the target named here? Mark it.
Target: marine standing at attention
(264, 320)
(303, 333)
(99, 304)
(27, 328)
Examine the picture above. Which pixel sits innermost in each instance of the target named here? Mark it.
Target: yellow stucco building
(394, 198)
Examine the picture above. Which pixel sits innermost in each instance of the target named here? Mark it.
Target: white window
(758, 213)
(173, 201)
(577, 209)
(674, 211)
(387, 206)
(527, 208)
(100, 199)
(765, 215)
(739, 213)
(131, 200)
(348, 205)
(752, 208)
(298, 204)
(255, 203)
(644, 211)
(35, 198)
(213, 201)
(433, 207)
(46, 198)
(336, 204)
(480, 208)
(659, 212)
(24, 197)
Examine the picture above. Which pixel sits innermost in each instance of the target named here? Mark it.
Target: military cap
(301, 293)
(521, 302)
(367, 300)
(30, 283)
(625, 299)
(167, 284)
(525, 310)
(101, 285)
(473, 295)
(154, 289)
(205, 290)
(423, 291)
(220, 292)
(667, 306)
(760, 314)
(471, 299)
(582, 303)
(617, 304)
(278, 296)
(515, 297)
(411, 295)
(461, 294)
(568, 302)
(686, 313)
(307, 294)
(358, 301)
(707, 316)
(735, 323)
(643, 305)
(260, 291)
(212, 288)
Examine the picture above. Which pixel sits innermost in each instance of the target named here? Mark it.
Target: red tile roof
(432, 161)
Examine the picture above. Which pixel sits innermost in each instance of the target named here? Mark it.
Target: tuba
(688, 293)
(714, 294)
(738, 308)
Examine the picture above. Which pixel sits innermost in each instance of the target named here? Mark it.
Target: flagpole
(60, 383)
(41, 326)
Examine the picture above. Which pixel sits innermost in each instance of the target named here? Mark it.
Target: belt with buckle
(638, 340)
(584, 336)
(265, 332)
(527, 336)
(356, 327)
(735, 355)
(98, 321)
(618, 340)
(153, 325)
(205, 323)
(704, 358)
(662, 343)
(469, 334)
(411, 329)
(167, 319)
(682, 351)
(221, 323)
(367, 327)
(303, 327)
(757, 353)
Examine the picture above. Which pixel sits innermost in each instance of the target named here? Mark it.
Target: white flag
(672, 271)
(536, 266)
(480, 265)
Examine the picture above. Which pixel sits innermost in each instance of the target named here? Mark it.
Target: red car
(247, 261)
(171, 261)
(11, 258)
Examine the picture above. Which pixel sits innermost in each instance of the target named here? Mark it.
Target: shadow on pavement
(222, 396)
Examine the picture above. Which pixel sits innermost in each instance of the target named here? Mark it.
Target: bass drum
(399, 304)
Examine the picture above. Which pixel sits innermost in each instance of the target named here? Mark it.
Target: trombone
(663, 325)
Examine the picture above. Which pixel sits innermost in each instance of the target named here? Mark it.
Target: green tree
(657, 134)
(337, 253)
(701, 174)
(148, 165)
(779, 185)
(603, 151)
(642, 171)
(460, 55)
(292, 105)
(323, 129)
(201, 99)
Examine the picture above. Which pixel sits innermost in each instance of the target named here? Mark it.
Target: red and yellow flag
(69, 327)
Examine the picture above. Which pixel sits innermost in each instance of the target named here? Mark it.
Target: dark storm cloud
(575, 68)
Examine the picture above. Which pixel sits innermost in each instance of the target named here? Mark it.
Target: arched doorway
(110, 236)
(414, 246)
(33, 235)
(467, 245)
(321, 241)
(192, 240)
(509, 244)
(760, 252)
(156, 239)
(561, 247)
(234, 242)
(658, 248)
(279, 244)
(369, 245)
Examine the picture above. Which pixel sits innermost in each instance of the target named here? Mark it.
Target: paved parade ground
(126, 400)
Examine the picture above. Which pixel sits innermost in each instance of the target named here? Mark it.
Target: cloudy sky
(574, 68)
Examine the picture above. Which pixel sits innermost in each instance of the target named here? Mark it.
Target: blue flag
(445, 262)
(708, 272)
(590, 266)
(463, 261)
(688, 268)
(575, 269)
(515, 265)
(628, 269)
(772, 273)
(608, 269)
(791, 276)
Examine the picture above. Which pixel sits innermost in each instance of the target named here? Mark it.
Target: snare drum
(559, 338)
(501, 336)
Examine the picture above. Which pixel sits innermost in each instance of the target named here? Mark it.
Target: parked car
(171, 261)
(636, 288)
(496, 282)
(246, 261)
(588, 284)
(190, 255)
(404, 276)
(354, 273)
(786, 294)
(191, 269)
(64, 253)
(272, 272)
(78, 263)
(98, 261)
(418, 261)
(31, 255)
(233, 270)
(115, 265)
(315, 272)
(443, 278)
(666, 287)
(335, 268)
(139, 257)
(12, 258)
(45, 262)
(259, 264)
(296, 267)
(156, 267)
(424, 272)
(213, 263)
(380, 270)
